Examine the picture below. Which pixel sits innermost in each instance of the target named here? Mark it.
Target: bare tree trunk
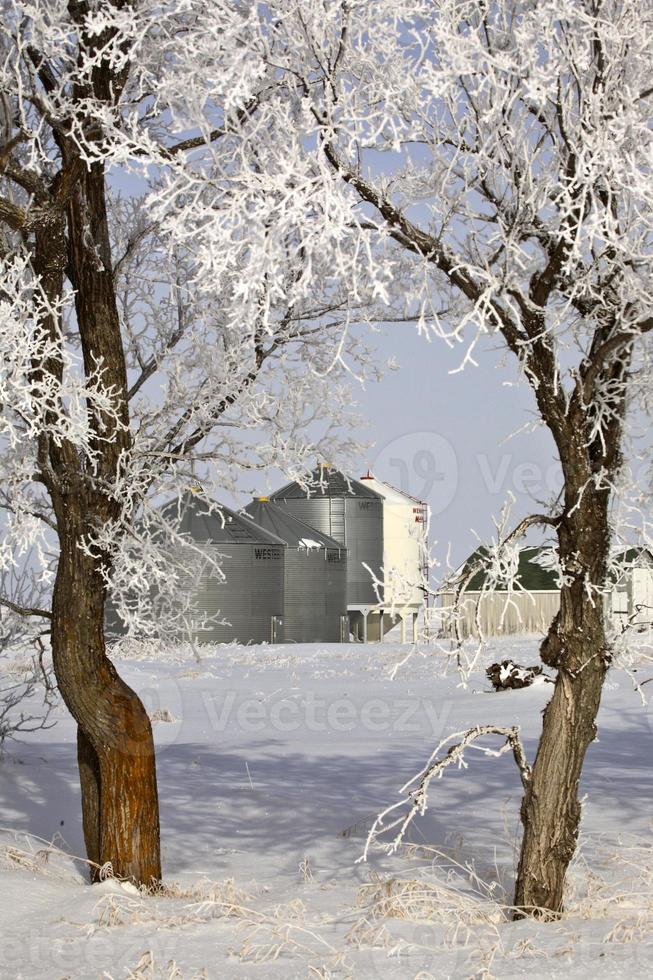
(115, 745)
(576, 646)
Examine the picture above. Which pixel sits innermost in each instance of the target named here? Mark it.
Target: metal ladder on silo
(338, 530)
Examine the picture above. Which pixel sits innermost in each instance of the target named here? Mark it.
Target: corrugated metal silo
(315, 580)
(253, 562)
(350, 512)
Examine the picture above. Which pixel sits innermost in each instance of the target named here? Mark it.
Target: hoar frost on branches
(481, 169)
(176, 301)
(496, 159)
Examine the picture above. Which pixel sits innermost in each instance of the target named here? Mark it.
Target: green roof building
(529, 602)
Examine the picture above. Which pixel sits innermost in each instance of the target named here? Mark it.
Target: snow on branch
(27, 691)
(415, 791)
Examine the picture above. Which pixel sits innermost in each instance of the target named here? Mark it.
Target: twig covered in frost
(27, 689)
(496, 563)
(416, 798)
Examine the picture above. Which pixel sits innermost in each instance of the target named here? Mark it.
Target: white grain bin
(404, 552)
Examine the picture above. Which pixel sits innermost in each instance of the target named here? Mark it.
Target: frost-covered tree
(497, 160)
(168, 300)
(484, 168)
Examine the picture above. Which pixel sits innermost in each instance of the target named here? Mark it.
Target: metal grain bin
(315, 580)
(350, 512)
(252, 559)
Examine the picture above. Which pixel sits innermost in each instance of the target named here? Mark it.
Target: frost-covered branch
(27, 691)
(415, 801)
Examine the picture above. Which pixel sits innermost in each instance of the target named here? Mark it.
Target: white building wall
(641, 595)
(404, 543)
(500, 613)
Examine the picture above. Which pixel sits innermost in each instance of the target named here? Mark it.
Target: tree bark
(576, 646)
(115, 746)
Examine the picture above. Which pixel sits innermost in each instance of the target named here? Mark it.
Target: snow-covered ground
(272, 764)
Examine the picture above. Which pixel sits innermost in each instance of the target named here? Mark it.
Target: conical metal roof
(294, 532)
(328, 482)
(204, 519)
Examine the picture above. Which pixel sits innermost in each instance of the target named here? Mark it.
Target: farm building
(404, 554)
(631, 599)
(315, 577)
(376, 523)
(352, 514)
(283, 581)
(532, 607)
